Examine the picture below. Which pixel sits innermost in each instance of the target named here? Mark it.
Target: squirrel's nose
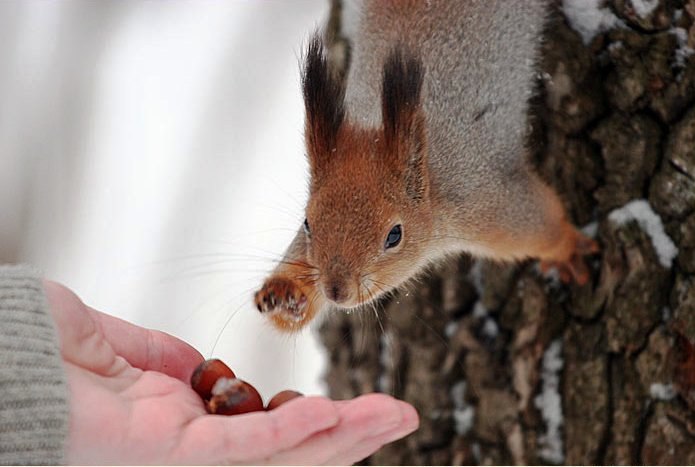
(336, 291)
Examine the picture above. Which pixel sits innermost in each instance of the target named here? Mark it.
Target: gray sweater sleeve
(33, 388)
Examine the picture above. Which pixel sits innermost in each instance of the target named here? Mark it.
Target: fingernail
(406, 422)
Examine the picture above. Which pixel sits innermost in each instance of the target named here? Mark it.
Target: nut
(282, 397)
(233, 396)
(206, 375)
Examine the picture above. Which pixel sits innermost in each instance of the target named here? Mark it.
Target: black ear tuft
(404, 120)
(323, 99)
(401, 88)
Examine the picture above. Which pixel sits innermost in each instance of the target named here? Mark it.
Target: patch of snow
(590, 17)
(384, 383)
(451, 328)
(550, 404)
(552, 276)
(662, 392)
(683, 52)
(591, 229)
(640, 211)
(477, 454)
(386, 361)
(479, 310)
(458, 393)
(613, 46)
(463, 420)
(681, 35)
(666, 314)
(490, 328)
(385, 357)
(644, 8)
(476, 276)
(464, 414)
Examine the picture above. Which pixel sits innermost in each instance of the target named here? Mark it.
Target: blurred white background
(151, 159)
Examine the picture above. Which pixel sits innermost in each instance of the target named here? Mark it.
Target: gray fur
(479, 58)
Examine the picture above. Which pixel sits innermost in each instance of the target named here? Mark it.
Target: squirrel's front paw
(283, 297)
(574, 268)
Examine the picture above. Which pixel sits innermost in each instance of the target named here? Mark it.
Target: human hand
(131, 404)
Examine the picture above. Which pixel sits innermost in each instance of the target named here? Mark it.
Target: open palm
(131, 404)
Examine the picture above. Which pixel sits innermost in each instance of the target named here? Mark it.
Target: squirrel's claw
(586, 246)
(282, 296)
(574, 268)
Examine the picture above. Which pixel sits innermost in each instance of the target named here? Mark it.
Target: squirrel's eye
(394, 237)
(307, 231)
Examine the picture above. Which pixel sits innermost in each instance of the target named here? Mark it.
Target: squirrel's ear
(324, 103)
(404, 120)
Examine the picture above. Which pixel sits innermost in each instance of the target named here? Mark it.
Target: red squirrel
(421, 155)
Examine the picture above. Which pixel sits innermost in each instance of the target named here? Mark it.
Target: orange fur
(377, 213)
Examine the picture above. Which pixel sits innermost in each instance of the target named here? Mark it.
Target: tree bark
(506, 366)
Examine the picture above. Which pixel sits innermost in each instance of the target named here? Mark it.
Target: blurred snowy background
(151, 159)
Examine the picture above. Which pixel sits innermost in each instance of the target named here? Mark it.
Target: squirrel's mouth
(347, 307)
(360, 296)
(349, 304)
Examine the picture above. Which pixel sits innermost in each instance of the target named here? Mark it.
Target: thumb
(148, 349)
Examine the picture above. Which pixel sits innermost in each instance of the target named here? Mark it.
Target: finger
(370, 445)
(79, 334)
(93, 339)
(365, 418)
(255, 437)
(147, 349)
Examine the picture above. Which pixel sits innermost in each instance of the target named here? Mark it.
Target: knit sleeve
(33, 388)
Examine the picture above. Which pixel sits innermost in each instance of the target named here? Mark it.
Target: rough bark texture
(613, 121)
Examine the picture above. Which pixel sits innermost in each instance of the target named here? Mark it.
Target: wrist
(34, 410)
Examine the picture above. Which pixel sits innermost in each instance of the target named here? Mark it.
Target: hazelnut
(206, 375)
(233, 396)
(282, 397)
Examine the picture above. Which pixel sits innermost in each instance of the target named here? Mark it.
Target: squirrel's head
(368, 219)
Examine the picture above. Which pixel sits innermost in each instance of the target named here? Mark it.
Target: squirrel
(419, 156)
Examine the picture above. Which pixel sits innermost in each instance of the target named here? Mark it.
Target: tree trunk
(506, 366)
